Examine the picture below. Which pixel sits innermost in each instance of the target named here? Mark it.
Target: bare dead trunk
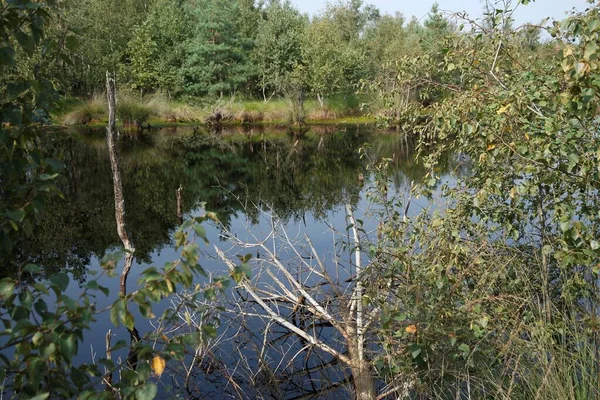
(107, 373)
(111, 135)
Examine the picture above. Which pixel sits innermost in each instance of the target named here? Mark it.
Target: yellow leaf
(491, 147)
(503, 109)
(411, 329)
(158, 365)
(568, 52)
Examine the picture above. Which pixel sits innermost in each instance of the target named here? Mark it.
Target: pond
(249, 177)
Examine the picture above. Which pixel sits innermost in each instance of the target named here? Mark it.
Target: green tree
(155, 50)
(142, 68)
(278, 45)
(216, 54)
(104, 28)
(333, 50)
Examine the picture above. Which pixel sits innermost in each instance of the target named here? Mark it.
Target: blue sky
(533, 12)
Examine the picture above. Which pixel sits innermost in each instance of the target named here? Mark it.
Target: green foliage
(495, 293)
(155, 50)
(278, 42)
(27, 174)
(494, 289)
(332, 48)
(42, 364)
(103, 29)
(43, 325)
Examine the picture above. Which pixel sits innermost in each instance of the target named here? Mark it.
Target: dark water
(244, 176)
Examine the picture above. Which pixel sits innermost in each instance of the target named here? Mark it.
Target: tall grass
(87, 111)
(281, 110)
(132, 110)
(553, 361)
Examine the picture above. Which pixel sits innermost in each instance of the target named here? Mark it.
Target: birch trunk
(364, 386)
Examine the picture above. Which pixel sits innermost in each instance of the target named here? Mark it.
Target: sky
(534, 12)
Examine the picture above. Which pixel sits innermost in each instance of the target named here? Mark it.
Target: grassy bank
(131, 111)
(156, 109)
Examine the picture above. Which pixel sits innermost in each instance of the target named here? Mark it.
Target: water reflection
(305, 179)
(294, 175)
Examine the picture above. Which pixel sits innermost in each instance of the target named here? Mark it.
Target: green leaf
(40, 307)
(201, 232)
(16, 215)
(47, 177)
(32, 269)
(7, 56)
(128, 320)
(415, 350)
(7, 287)
(594, 244)
(61, 280)
(565, 225)
(37, 338)
(68, 346)
(114, 315)
(42, 396)
(26, 42)
(209, 294)
(15, 89)
(146, 392)
(594, 24)
(12, 115)
(464, 348)
(209, 330)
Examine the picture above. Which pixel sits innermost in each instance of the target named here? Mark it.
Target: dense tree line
(207, 49)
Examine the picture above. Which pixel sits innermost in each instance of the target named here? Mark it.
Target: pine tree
(216, 56)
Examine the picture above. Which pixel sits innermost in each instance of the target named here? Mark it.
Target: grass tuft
(86, 112)
(135, 112)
